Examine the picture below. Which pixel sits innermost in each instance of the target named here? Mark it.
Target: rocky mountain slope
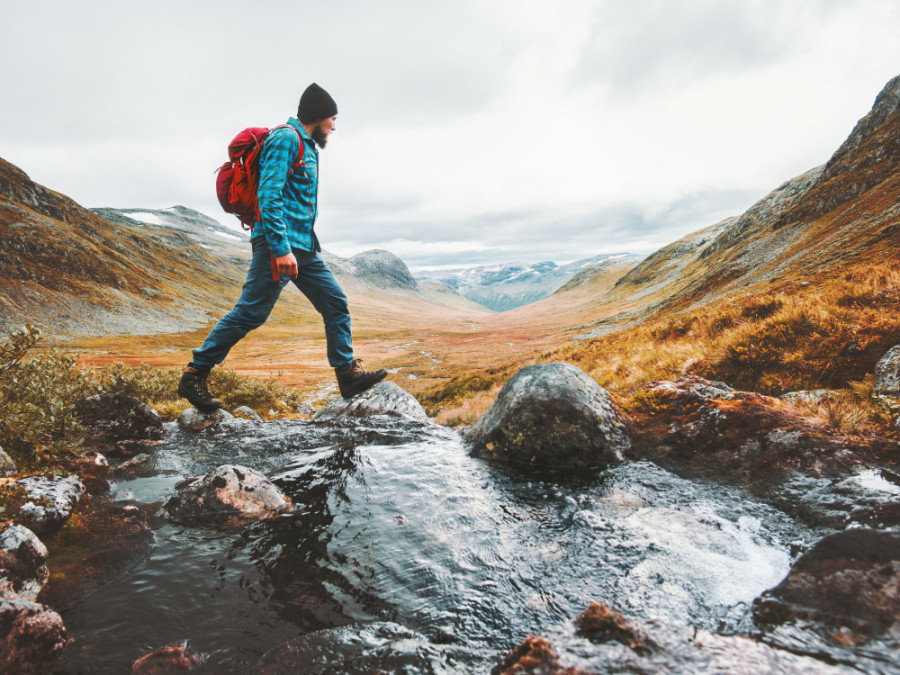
(68, 270)
(79, 272)
(510, 285)
(207, 232)
(845, 212)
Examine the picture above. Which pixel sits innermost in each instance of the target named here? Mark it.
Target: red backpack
(238, 179)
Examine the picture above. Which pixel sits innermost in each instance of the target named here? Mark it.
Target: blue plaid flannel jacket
(288, 204)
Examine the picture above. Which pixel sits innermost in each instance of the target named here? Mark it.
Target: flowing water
(404, 540)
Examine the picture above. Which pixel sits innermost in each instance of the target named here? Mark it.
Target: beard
(319, 136)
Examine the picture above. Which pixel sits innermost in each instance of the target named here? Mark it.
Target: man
(284, 239)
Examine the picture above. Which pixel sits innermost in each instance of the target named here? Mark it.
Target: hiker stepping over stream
(285, 162)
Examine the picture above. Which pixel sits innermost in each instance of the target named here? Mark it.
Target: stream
(406, 554)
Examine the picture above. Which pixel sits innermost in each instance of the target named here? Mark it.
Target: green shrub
(142, 382)
(38, 394)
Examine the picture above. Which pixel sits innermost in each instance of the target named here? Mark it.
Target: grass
(823, 333)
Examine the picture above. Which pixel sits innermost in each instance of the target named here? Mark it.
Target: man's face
(323, 130)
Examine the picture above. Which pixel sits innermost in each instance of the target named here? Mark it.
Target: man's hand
(287, 264)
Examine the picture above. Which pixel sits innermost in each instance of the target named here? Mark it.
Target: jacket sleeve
(278, 154)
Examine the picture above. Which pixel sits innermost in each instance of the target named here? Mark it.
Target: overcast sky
(468, 131)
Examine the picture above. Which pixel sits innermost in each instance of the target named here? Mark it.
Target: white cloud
(490, 130)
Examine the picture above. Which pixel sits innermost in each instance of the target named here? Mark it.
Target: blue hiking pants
(258, 297)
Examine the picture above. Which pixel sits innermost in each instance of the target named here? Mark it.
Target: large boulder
(849, 581)
(31, 637)
(552, 414)
(229, 495)
(887, 373)
(23, 564)
(385, 398)
(48, 502)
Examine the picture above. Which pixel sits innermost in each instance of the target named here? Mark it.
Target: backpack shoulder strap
(299, 161)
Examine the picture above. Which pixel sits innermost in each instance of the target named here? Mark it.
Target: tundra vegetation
(39, 388)
(822, 333)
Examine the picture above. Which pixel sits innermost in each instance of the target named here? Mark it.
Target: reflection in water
(449, 560)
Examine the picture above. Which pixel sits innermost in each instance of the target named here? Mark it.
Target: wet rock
(624, 645)
(49, 501)
(168, 659)
(887, 373)
(197, 420)
(247, 412)
(600, 623)
(228, 495)
(31, 637)
(7, 465)
(110, 418)
(535, 656)
(849, 580)
(869, 497)
(94, 548)
(551, 414)
(385, 398)
(135, 467)
(23, 564)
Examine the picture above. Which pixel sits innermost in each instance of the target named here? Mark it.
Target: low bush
(38, 393)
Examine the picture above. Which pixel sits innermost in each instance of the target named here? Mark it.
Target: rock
(810, 397)
(134, 467)
(555, 415)
(228, 495)
(385, 398)
(744, 438)
(849, 580)
(23, 564)
(607, 642)
(31, 637)
(196, 420)
(49, 501)
(690, 389)
(600, 623)
(247, 412)
(7, 465)
(168, 659)
(535, 656)
(110, 418)
(887, 373)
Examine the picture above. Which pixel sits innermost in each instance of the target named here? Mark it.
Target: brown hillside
(69, 271)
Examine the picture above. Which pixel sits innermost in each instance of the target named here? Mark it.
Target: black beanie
(315, 104)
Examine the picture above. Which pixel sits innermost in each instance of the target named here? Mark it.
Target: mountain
(377, 268)
(68, 270)
(207, 232)
(74, 271)
(510, 285)
(842, 213)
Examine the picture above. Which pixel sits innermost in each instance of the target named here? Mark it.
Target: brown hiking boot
(193, 387)
(353, 380)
